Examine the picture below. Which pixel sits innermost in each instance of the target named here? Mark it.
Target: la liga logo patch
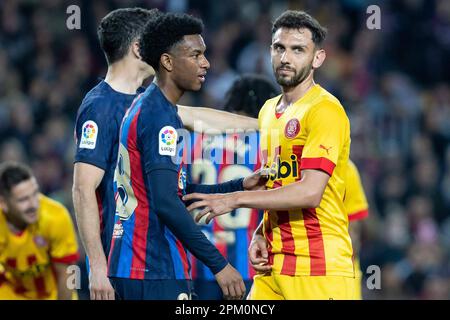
(168, 141)
(292, 128)
(89, 133)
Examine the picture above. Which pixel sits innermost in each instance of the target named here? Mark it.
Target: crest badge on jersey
(292, 128)
(40, 241)
(89, 133)
(168, 141)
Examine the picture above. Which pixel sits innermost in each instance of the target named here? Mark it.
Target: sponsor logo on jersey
(89, 133)
(167, 141)
(283, 169)
(292, 129)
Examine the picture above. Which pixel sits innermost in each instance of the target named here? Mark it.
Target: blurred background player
(232, 234)
(356, 207)
(147, 258)
(97, 131)
(37, 239)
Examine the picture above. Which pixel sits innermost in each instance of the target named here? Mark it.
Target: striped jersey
(142, 247)
(26, 259)
(313, 133)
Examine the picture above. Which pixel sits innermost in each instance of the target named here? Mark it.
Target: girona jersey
(26, 258)
(313, 133)
(355, 199)
(217, 159)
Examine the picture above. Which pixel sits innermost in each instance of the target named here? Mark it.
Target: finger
(201, 215)
(226, 292)
(194, 196)
(263, 249)
(92, 295)
(259, 260)
(262, 268)
(232, 292)
(210, 217)
(112, 295)
(243, 289)
(196, 205)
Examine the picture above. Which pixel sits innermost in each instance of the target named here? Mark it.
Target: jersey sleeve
(355, 200)
(157, 140)
(94, 136)
(63, 245)
(328, 129)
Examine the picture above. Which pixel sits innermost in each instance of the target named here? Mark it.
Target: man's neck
(124, 77)
(169, 89)
(15, 226)
(293, 94)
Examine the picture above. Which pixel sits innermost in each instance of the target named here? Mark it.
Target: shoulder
(269, 105)
(327, 107)
(53, 212)
(155, 110)
(97, 103)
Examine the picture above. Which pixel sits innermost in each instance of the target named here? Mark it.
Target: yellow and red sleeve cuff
(67, 259)
(358, 215)
(323, 164)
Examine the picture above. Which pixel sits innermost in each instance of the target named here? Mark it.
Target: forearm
(64, 293)
(226, 187)
(173, 213)
(201, 119)
(294, 196)
(259, 229)
(87, 216)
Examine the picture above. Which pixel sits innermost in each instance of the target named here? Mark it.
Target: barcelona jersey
(97, 139)
(142, 246)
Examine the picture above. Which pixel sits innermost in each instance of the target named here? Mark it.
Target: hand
(213, 204)
(257, 180)
(231, 283)
(99, 285)
(258, 255)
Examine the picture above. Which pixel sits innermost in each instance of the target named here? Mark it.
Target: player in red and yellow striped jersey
(357, 208)
(305, 141)
(37, 239)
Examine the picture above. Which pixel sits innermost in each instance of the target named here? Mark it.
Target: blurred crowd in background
(394, 84)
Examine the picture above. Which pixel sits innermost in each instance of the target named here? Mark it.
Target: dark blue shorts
(132, 289)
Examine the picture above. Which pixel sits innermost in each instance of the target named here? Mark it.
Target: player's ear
(166, 62)
(319, 58)
(135, 50)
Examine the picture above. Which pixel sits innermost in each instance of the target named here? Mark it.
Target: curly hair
(119, 28)
(291, 19)
(248, 94)
(162, 33)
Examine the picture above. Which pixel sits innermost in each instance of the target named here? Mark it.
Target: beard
(294, 80)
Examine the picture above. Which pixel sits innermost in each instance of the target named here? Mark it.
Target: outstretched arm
(200, 119)
(306, 193)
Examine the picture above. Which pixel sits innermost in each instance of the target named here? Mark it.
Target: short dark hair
(11, 174)
(119, 28)
(248, 94)
(162, 33)
(291, 19)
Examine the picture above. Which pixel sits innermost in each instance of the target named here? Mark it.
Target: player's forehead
(25, 188)
(192, 43)
(293, 36)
